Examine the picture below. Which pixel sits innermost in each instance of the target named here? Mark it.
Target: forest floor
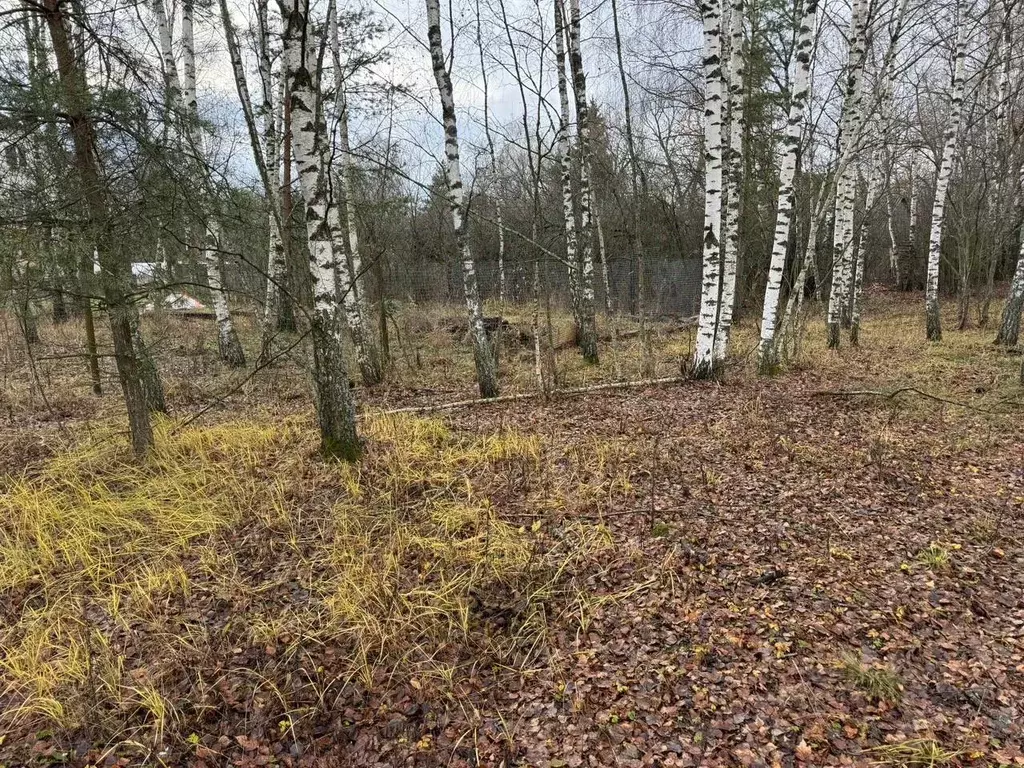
(759, 572)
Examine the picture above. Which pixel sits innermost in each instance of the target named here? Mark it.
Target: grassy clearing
(236, 584)
(404, 562)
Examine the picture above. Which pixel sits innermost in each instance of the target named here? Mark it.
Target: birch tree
(933, 318)
(586, 322)
(565, 161)
(181, 96)
(335, 406)
(486, 370)
(704, 363)
(733, 190)
(545, 371)
(846, 183)
(350, 270)
(492, 172)
(876, 179)
(874, 189)
(1009, 324)
(639, 188)
(268, 113)
(767, 356)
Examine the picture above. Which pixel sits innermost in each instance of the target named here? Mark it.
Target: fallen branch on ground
(533, 395)
(902, 390)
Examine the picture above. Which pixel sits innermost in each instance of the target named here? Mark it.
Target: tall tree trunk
(1009, 322)
(293, 267)
(493, 170)
(883, 127)
(704, 363)
(572, 257)
(335, 407)
(913, 269)
(486, 372)
(181, 96)
(788, 331)
(115, 273)
(227, 340)
(152, 387)
(874, 189)
(733, 191)
(91, 350)
(587, 326)
(768, 354)
(997, 106)
(846, 183)
(26, 313)
(350, 270)
(890, 224)
(59, 306)
(933, 319)
(269, 114)
(228, 345)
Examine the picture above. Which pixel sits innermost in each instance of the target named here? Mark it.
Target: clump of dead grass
(914, 753)
(877, 681)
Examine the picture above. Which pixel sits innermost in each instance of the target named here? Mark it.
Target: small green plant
(660, 530)
(878, 682)
(936, 556)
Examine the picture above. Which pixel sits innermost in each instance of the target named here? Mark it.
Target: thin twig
(902, 390)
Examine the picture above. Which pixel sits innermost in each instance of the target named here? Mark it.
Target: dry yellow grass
(101, 554)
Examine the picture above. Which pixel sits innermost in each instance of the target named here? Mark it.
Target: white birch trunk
(572, 258)
(264, 152)
(182, 97)
(846, 183)
(587, 327)
(933, 323)
(875, 181)
(733, 178)
(271, 153)
(493, 175)
(915, 167)
(609, 301)
(1009, 323)
(768, 358)
(188, 59)
(226, 341)
(486, 372)
(704, 364)
(787, 332)
(335, 408)
(890, 226)
(874, 189)
(353, 291)
(172, 84)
